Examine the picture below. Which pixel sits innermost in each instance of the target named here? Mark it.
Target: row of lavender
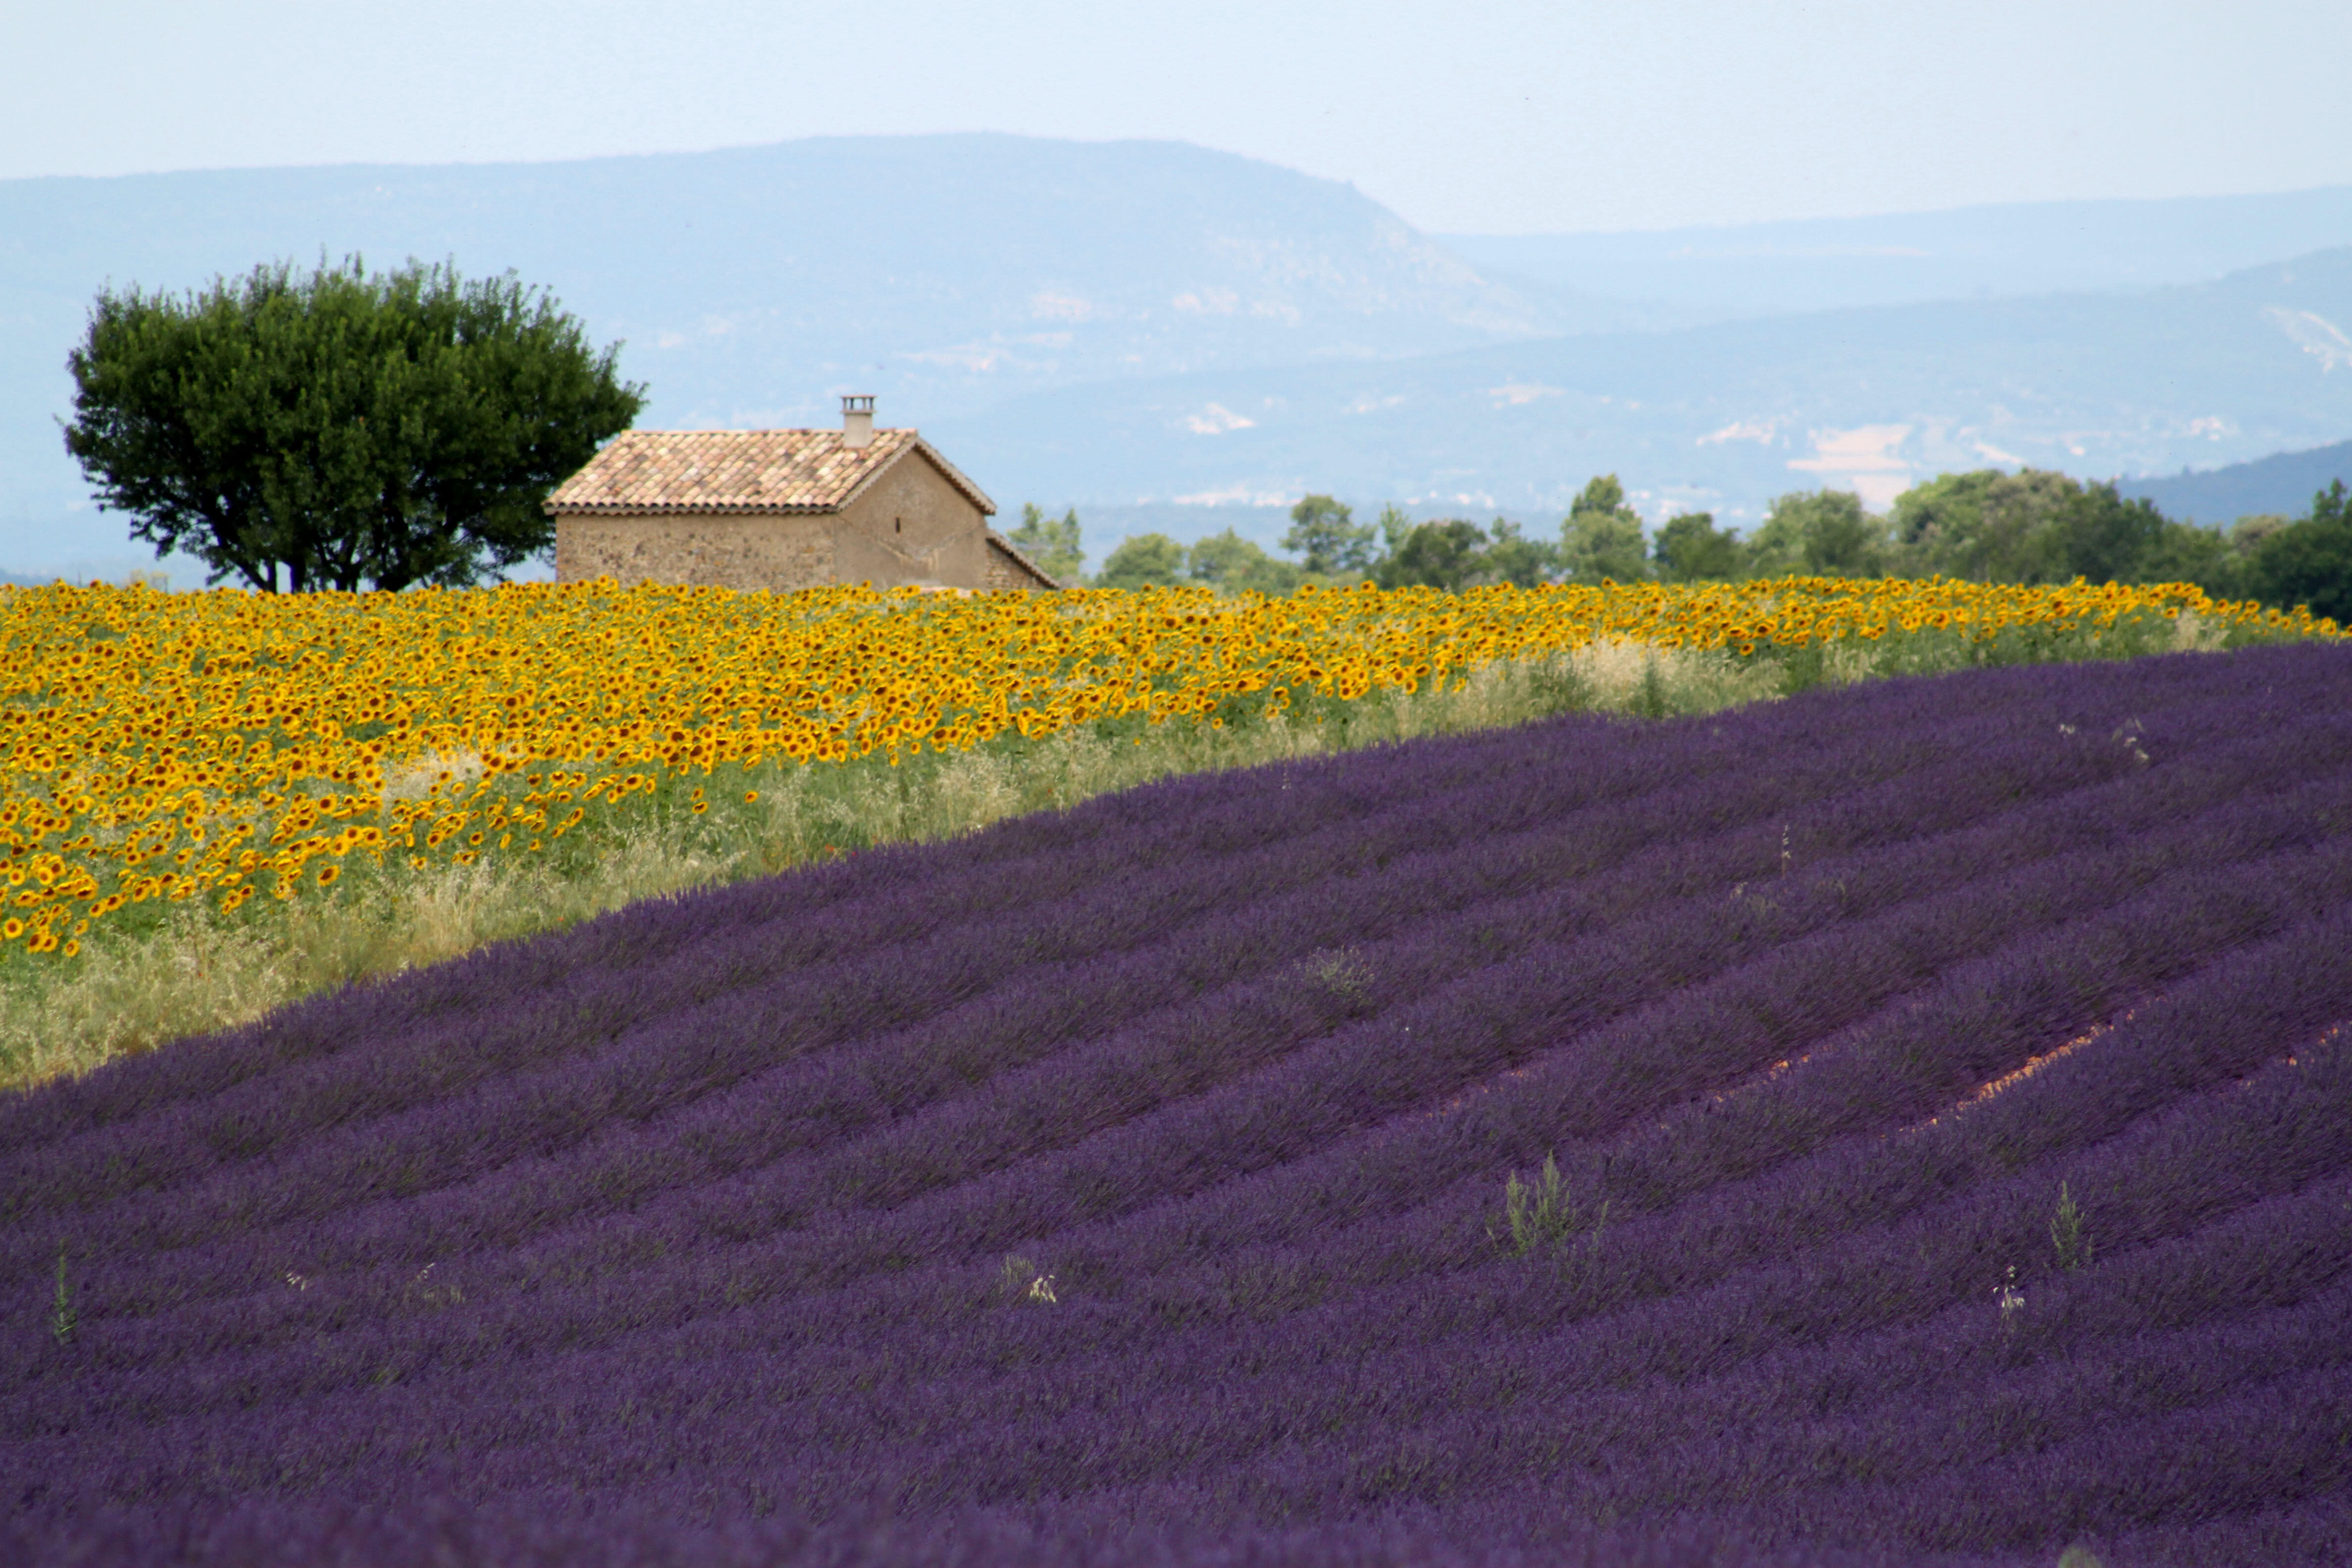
(1950, 1123)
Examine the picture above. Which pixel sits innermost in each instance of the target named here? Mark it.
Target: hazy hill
(2283, 484)
(1726, 416)
(1823, 264)
(943, 273)
(1127, 325)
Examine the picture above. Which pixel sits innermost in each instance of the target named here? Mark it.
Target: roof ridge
(739, 472)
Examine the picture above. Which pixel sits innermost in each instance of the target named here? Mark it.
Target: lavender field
(1909, 1124)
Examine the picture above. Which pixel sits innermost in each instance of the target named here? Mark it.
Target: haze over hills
(2282, 484)
(1901, 259)
(944, 273)
(1726, 417)
(1154, 326)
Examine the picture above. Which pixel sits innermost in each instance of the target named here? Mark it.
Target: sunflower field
(230, 746)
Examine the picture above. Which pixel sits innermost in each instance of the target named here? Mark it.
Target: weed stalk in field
(1341, 971)
(63, 1319)
(1020, 1283)
(2066, 1232)
(1542, 1215)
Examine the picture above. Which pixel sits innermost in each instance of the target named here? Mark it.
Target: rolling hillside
(1723, 418)
(1909, 258)
(1905, 1124)
(1158, 326)
(942, 273)
(2282, 485)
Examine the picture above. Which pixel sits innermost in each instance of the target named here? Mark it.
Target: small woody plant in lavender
(2066, 1232)
(63, 1319)
(1543, 1214)
(1341, 971)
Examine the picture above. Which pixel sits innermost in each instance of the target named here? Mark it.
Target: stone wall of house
(1006, 571)
(913, 525)
(775, 552)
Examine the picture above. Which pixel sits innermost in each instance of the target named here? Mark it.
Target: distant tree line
(1987, 526)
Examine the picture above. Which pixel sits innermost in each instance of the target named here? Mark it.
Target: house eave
(1006, 545)
(685, 509)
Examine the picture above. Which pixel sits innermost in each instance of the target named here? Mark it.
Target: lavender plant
(745, 1192)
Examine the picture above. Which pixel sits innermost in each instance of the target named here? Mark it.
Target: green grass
(173, 970)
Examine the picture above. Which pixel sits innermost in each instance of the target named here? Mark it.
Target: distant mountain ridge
(2282, 485)
(1723, 418)
(942, 273)
(1900, 259)
(1189, 334)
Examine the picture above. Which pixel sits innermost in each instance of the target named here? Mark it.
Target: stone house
(782, 510)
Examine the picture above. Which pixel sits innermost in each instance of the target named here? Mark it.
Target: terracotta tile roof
(739, 471)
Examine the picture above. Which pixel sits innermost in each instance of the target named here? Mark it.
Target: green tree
(2108, 539)
(1512, 557)
(1052, 542)
(1601, 538)
(1987, 526)
(2310, 561)
(1445, 554)
(2246, 534)
(2184, 552)
(1327, 539)
(1146, 560)
(1927, 515)
(1232, 564)
(1603, 493)
(340, 429)
(1690, 548)
(2036, 526)
(1819, 533)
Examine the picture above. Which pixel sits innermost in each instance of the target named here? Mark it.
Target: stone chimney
(858, 423)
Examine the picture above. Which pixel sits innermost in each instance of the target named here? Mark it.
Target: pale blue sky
(1498, 118)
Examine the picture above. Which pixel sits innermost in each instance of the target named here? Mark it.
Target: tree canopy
(1232, 564)
(2310, 561)
(2033, 526)
(1053, 542)
(1691, 548)
(339, 428)
(1601, 538)
(1512, 557)
(1145, 560)
(1443, 554)
(1819, 533)
(1987, 526)
(1327, 540)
